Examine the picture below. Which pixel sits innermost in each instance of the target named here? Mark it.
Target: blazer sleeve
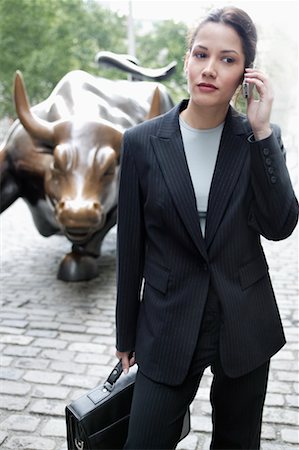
(130, 251)
(274, 209)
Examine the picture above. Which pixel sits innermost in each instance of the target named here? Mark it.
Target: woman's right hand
(127, 359)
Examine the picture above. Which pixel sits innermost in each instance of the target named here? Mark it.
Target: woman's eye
(200, 55)
(229, 59)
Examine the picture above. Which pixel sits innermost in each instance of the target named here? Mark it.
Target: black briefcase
(99, 419)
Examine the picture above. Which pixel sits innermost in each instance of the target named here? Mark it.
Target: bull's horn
(155, 105)
(36, 127)
(117, 140)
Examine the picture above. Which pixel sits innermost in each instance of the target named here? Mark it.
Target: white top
(201, 149)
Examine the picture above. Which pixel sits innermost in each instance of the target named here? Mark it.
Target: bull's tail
(130, 65)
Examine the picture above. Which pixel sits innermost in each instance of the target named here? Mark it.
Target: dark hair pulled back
(240, 21)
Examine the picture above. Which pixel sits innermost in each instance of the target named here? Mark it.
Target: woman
(199, 186)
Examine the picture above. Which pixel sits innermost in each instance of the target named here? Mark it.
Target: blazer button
(270, 170)
(273, 179)
(268, 161)
(266, 151)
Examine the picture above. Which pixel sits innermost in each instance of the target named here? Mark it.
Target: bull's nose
(76, 205)
(81, 214)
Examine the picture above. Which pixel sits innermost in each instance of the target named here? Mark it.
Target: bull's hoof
(78, 267)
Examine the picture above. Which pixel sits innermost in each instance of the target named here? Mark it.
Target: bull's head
(81, 180)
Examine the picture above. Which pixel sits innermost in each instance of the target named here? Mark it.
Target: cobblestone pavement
(57, 341)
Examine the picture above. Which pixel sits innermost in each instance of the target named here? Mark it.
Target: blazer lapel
(230, 160)
(168, 147)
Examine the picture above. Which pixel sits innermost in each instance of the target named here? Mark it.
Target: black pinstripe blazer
(160, 241)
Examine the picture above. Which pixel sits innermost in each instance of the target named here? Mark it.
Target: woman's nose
(209, 70)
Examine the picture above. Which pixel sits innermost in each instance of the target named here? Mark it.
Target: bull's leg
(81, 264)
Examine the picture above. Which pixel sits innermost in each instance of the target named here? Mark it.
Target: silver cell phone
(246, 89)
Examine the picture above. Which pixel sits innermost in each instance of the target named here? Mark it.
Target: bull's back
(121, 102)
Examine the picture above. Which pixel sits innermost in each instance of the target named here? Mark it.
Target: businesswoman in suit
(198, 187)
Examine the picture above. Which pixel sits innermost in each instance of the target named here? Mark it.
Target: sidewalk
(57, 341)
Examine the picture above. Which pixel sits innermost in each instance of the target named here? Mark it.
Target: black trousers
(237, 403)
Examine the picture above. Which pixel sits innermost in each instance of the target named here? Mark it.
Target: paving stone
(274, 400)
(279, 415)
(101, 372)
(99, 324)
(12, 314)
(38, 376)
(80, 381)
(42, 333)
(87, 347)
(14, 388)
(10, 330)
(48, 407)
(68, 366)
(278, 446)
(292, 400)
(279, 387)
(54, 427)
(76, 393)
(188, 443)
(268, 432)
(5, 361)
(15, 323)
(32, 363)
(282, 355)
(44, 314)
(20, 340)
(294, 347)
(109, 340)
(205, 407)
(290, 435)
(45, 325)
(287, 376)
(65, 318)
(18, 422)
(100, 331)
(63, 446)
(72, 328)
(91, 358)
(13, 403)
(45, 391)
(15, 350)
(30, 443)
(201, 423)
(50, 343)
(58, 356)
(70, 337)
(285, 365)
(10, 373)
(3, 436)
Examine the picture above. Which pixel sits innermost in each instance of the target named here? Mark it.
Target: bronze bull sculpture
(62, 157)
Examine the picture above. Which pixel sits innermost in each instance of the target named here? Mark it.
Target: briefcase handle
(114, 375)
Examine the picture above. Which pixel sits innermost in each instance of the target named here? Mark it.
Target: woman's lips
(205, 87)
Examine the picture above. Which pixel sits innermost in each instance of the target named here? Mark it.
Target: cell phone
(246, 89)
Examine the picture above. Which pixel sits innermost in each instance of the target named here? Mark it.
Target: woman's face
(215, 65)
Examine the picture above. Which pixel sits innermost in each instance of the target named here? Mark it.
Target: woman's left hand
(259, 111)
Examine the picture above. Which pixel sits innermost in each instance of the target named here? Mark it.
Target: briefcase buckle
(107, 387)
(79, 444)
